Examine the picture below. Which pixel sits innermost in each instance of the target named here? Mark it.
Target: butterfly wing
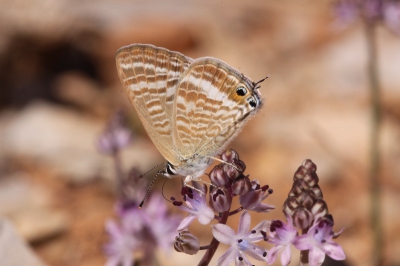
(150, 76)
(209, 111)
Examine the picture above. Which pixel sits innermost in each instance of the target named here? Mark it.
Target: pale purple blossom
(197, 208)
(371, 10)
(252, 200)
(282, 236)
(140, 231)
(242, 242)
(391, 14)
(119, 249)
(116, 136)
(318, 241)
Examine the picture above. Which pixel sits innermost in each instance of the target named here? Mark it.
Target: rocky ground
(59, 85)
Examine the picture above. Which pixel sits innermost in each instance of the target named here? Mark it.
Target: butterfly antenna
(148, 190)
(258, 82)
(142, 175)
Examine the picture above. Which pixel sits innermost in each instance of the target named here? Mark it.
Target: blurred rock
(65, 140)
(13, 250)
(29, 207)
(37, 225)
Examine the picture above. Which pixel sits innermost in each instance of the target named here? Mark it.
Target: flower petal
(186, 222)
(257, 252)
(333, 250)
(244, 223)
(206, 216)
(273, 253)
(286, 255)
(302, 242)
(316, 256)
(224, 234)
(227, 257)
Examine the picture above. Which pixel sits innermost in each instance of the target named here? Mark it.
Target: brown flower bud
(319, 208)
(220, 199)
(302, 218)
(229, 155)
(309, 165)
(234, 172)
(306, 200)
(311, 179)
(241, 185)
(187, 243)
(300, 173)
(290, 205)
(219, 177)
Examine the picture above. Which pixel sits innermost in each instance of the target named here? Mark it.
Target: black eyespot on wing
(252, 102)
(241, 91)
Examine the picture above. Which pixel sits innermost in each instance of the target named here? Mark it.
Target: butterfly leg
(222, 161)
(190, 178)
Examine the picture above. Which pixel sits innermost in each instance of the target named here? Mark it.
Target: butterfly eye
(241, 91)
(252, 102)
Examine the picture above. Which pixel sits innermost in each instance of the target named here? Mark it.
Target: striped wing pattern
(209, 113)
(150, 76)
(190, 108)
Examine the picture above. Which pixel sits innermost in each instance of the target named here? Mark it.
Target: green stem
(374, 143)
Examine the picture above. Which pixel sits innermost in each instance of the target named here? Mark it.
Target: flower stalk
(374, 170)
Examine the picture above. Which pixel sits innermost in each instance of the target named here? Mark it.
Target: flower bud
(241, 185)
(300, 173)
(311, 179)
(319, 208)
(229, 155)
(302, 218)
(306, 200)
(235, 172)
(219, 177)
(220, 199)
(187, 243)
(309, 165)
(290, 205)
(317, 192)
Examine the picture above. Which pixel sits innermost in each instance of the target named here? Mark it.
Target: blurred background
(59, 86)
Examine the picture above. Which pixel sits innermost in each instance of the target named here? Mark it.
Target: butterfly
(190, 108)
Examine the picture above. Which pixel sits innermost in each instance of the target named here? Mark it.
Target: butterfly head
(169, 170)
(249, 90)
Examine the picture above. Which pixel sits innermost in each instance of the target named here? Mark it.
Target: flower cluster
(372, 11)
(116, 136)
(305, 211)
(228, 181)
(139, 232)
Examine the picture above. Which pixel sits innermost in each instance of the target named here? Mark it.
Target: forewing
(209, 111)
(150, 76)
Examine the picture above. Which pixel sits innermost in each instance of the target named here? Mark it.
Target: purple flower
(252, 200)
(196, 206)
(116, 135)
(372, 10)
(141, 231)
(121, 246)
(391, 14)
(241, 243)
(282, 235)
(318, 241)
